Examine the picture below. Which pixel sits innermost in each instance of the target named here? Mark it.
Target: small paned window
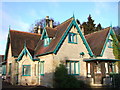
(26, 70)
(73, 67)
(46, 41)
(42, 68)
(110, 43)
(72, 38)
(3, 69)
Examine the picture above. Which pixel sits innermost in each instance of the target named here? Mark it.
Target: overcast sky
(20, 15)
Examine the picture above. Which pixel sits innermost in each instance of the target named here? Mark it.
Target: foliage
(115, 80)
(116, 50)
(41, 23)
(63, 80)
(117, 30)
(89, 26)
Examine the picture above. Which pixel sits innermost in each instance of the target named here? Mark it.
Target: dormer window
(110, 43)
(46, 41)
(72, 38)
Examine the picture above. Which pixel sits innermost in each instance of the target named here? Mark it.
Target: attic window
(46, 41)
(110, 43)
(72, 38)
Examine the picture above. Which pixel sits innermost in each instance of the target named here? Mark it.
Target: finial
(44, 24)
(111, 25)
(9, 27)
(73, 15)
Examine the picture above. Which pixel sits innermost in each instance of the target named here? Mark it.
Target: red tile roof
(40, 49)
(18, 38)
(36, 46)
(96, 40)
(33, 42)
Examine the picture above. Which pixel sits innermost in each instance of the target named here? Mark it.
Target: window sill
(110, 47)
(42, 74)
(73, 42)
(26, 75)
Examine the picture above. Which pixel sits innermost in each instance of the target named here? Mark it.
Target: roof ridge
(26, 32)
(64, 22)
(97, 31)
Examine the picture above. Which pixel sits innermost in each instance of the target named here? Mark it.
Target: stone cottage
(31, 58)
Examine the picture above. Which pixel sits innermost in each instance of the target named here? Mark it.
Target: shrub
(63, 80)
(116, 80)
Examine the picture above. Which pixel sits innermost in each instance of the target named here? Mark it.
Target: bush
(116, 80)
(63, 80)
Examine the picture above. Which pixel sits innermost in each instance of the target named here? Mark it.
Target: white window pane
(77, 68)
(72, 68)
(106, 67)
(88, 67)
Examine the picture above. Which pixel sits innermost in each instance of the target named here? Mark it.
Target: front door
(97, 73)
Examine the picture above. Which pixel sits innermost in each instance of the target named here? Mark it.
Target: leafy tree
(41, 23)
(90, 27)
(117, 30)
(63, 80)
(99, 27)
(116, 50)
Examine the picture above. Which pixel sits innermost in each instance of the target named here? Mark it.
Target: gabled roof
(18, 38)
(34, 43)
(58, 33)
(97, 40)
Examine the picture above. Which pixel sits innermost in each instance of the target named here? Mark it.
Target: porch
(99, 70)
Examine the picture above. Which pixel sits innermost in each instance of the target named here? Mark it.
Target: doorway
(97, 73)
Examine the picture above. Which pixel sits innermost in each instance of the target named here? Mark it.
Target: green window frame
(46, 41)
(26, 71)
(10, 67)
(110, 43)
(42, 68)
(3, 69)
(72, 38)
(73, 67)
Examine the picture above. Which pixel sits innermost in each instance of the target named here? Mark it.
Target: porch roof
(97, 59)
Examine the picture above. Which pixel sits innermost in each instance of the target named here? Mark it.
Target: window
(42, 68)
(111, 67)
(72, 38)
(10, 67)
(26, 70)
(110, 43)
(35, 72)
(3, 69)
(73, 67)
(89, 68)
(106, 67)
(46, 41)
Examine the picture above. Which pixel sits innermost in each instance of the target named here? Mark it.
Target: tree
(41, 23)
(117, 30)
(63, 80)
(116, 50)
(99, 27)
(89, 26)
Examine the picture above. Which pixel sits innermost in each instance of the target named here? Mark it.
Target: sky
(20, 15)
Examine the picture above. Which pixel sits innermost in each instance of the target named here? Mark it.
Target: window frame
(74, 38)
(110, 43)
(24, 71)
(46, 41)
(70, 68)
(41, 67)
